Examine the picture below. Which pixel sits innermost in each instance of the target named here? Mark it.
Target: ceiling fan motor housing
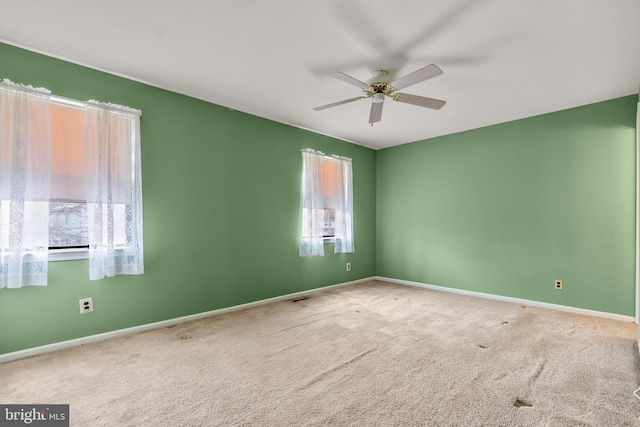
(379, 86)
(379, 76)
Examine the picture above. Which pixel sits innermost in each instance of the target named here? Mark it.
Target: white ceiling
(502, 59)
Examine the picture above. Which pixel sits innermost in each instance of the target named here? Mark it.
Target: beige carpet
(373, 354)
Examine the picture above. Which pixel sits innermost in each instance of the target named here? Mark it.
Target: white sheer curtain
(25, 162)
(344, 212)
(114, 190)
(311, 241)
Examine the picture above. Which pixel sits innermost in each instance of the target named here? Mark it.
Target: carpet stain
(482, 346)
(299, 299)
(185, 337)
(521, 403)
(504, 323)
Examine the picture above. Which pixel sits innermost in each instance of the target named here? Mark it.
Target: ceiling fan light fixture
(378, 98)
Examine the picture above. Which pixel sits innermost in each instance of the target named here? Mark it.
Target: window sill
(68, 254)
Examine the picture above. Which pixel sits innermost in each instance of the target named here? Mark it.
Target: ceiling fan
(378, 86)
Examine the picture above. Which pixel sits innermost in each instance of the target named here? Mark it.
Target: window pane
(68, 224)
(328, 222)
(67, 153)
(67, 209)
(331, 184)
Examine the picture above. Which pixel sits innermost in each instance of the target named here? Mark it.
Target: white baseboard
(530, 303)
(162, 324)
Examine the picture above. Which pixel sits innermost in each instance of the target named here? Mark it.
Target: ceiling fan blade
(424, 73)
(376, 112)
(348, 79)
(335, 104)
(421, 101)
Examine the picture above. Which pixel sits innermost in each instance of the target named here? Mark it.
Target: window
(70, 179)
(327, 203)
(68, 226)
(330, 197)
(68, 216)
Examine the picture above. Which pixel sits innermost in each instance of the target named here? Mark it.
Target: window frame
(71, 252)
(68, 254)
(332, 192)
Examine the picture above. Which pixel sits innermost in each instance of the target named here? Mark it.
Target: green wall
(509, 208)
(221, 194)
(502, 210)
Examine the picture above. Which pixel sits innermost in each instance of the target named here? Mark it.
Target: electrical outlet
(86, 305)
(348, 266)
(558, 284)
